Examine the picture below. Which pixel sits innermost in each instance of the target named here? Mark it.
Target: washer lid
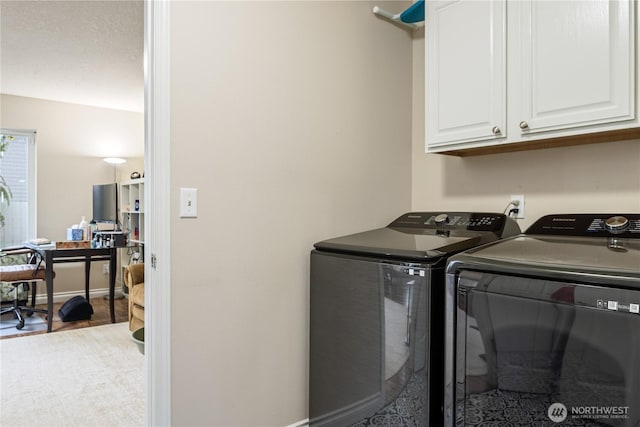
(424, 236)
(387, 242)
(572, 257)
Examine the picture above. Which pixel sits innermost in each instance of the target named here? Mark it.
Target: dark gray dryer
(376, 322)
(545, 327)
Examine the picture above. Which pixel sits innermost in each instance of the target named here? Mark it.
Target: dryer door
(529, 351)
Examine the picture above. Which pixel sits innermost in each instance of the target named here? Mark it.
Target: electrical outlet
(520, 201)
(105, 269)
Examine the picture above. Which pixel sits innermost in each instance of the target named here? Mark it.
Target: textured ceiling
(82, 52)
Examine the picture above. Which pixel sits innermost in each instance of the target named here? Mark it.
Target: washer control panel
(598, 225)
(452, 221)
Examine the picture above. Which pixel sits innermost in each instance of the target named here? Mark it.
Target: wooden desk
(54, 255)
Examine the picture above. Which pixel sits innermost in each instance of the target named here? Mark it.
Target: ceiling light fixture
(114, 160)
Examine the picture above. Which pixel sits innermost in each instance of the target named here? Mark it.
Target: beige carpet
(83, 377)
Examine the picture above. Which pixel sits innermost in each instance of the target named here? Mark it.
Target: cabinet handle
(524, 125)
(496, 130)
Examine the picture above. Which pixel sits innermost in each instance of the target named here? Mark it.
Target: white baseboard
(302, 423)
(64, 296)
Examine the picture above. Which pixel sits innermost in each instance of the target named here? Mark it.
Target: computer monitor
(105, 203)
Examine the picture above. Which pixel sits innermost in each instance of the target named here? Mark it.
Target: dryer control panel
(595, 225)
(452, 221)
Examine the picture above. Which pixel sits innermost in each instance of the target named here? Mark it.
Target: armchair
(134, 280)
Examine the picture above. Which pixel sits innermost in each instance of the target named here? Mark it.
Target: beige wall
(589, 178)
(293, 120)
(71, 141)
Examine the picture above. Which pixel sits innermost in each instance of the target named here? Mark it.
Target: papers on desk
(40, 241)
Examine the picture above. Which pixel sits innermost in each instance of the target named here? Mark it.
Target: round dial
(442, 219)
(616, 224)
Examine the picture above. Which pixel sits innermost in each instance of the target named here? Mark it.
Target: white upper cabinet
(571, 71)
(577, 63)
(465, 71)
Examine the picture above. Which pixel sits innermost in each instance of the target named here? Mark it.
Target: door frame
(157, 254)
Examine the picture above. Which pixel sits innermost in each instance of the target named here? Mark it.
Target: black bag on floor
(77, 308)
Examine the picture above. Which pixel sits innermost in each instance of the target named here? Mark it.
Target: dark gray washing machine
(376, 320)
(544, 328)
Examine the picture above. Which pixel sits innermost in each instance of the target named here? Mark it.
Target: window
(18, 169)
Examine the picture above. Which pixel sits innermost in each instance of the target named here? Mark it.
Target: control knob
(442, 219)
(616, 224)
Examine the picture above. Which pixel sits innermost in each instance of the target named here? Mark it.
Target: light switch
(188, 202)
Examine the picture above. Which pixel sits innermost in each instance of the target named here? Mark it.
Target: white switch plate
(188, 202)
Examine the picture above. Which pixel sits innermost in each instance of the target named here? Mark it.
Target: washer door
(530, 351)
(368, 338)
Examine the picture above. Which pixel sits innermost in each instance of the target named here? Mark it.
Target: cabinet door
(577, 64)
(465, 72)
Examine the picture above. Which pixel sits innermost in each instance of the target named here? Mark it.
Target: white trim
(157, 219)
(63, 296)
(32, 231)
(301, 423)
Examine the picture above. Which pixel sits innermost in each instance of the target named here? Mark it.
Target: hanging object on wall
(408, 18)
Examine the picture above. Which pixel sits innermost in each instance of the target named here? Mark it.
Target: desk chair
(26, 275)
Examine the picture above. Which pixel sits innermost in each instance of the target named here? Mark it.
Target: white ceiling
(83, 52)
